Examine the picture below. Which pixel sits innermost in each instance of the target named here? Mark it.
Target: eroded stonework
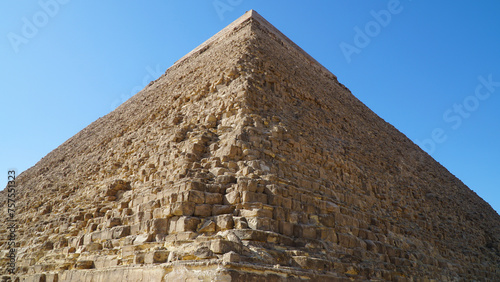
(248, 160)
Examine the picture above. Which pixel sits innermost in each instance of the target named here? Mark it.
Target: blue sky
(430, 68)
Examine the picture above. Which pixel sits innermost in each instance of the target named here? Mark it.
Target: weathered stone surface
(247, 161)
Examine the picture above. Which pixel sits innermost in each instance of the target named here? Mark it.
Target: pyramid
(246, 161)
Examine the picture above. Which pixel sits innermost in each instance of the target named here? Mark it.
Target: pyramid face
(247, 160)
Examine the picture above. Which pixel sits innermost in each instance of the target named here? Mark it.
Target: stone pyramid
(247, 161)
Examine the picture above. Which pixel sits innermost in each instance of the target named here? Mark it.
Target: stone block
(162, 212)
(327, 220)
(195, 185)
(232, 198)
(120, 231)
(286, 203)
(104, 262)
(225, 179)
(257, 213)
(87, 239)
(84, 264)
(251, 235)
(40, 277)
(231, 257)
(143, 238)
(213, 198)
(157, 256)
(127, 251)
(203, 253)
(139, 258)
(240, 222)
(207, 227)
(259, 223)
(220, 246)
(135, 229)
(52, 277)
(224, 222)
(197, 197)
(286, 228)
(222, 209)
(183, 224)
(309, 232)
(346, 240)
(203, 210)
(182, 208)
(92, 247)
(112, 222)
(158, 226)
(248, 197)
(317, 264)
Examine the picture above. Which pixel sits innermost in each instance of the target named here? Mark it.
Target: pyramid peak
(271, 29)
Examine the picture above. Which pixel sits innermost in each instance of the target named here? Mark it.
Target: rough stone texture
(247, 160)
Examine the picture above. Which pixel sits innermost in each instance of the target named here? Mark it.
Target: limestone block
(135, 228)
(51, 277)
(127, 251)
(104, 262)
(224, 222)
(286, 228)
(309, 232)
(184, 223)
(120, 231)
(232, 198)
(286, 203)
(312, 263)
(221, 246)
(41, 277)
(157, 256)
(182, 208)
(222, 209)
(261, 223)
(226, 179)
(346, 240)
(195, 185)
(213, 198)
(328, 234)
(158, 226)
(203, 253)
(139, 258)
(231, 257)
(257, 213)
(194, 196)
(207, 227)
(143, 238)
(249, 197)
(203, 210)
(114, 221)
(92, 247)
(84, 264)
(87, 239)
(240, 222)
(327, 220)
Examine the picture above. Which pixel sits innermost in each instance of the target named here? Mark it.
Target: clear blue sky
(430, 68)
